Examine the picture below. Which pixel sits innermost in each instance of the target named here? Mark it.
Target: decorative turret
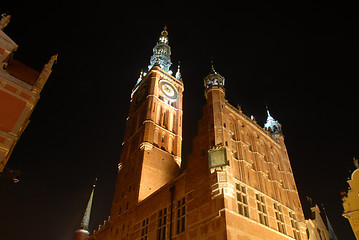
(272, 125)
(82, 233)
(140, 77)
(44, 75)
(178, 73)
(161, 53)
(213, 79)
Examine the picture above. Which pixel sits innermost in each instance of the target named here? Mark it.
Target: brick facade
(250, 195)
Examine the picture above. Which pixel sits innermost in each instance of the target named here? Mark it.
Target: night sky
(300, 60)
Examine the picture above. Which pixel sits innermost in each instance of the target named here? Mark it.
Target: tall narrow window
(181, 214)
(280, 219)
(262, 210)
(158, 115)
(165, 119)
(170, 141)
(144, 229)
(242, 200)
(161, 226)
(295, 227)
(170, 121)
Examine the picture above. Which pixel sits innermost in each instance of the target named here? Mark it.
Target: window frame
(181, 216)
(162, 224)
(144, 229)
(262, 209)
(278, 211)
(242, 200)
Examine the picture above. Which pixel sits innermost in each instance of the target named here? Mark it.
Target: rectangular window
(242, 200)
(262, 210)
(295, 227)
(161, 226)
(144, 229)
(181, 213)
(280, 219)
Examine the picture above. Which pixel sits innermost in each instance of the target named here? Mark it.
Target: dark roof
(22, 72)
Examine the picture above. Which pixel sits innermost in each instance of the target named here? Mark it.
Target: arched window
(155, 137)
(163, 141)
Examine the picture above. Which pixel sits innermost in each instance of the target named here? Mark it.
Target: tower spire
(82, 233)
(161, 53)
(329, 225)
(86, 219)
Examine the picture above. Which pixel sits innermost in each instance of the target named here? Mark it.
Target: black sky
(300, 59)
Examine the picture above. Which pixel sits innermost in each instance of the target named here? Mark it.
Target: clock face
(168, 90)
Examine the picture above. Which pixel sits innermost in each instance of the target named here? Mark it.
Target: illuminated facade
(20, 88)
(351, 201)
(238, 183)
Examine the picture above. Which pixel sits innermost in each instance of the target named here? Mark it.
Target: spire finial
(164, 36)
(212, 65)
(268, 111)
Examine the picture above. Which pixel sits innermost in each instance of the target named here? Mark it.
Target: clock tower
(151, 150)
